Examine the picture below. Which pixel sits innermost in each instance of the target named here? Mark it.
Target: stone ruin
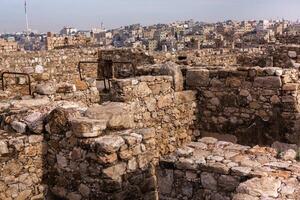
(169, 132)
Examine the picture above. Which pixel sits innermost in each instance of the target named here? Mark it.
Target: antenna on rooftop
(26, 16)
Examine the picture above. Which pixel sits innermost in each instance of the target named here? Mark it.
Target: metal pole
(26, 16)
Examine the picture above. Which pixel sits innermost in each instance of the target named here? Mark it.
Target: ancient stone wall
(215, 60)
(110, 150)
(124, 61)
(212, 169)
(141, 144)
(283, 56)
(7, 46)
(22, 166)
(51, 72)
(256, 105)
(55, 65)
(56, 42)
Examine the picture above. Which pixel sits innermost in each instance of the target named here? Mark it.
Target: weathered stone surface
(85, 127)
(185, 96)
(45, 89)
(289, 155)
(173, 70)
(84, 190)
(115, 172)
(228, 183)
(3, 148)
(18, 126)
(268, 82)
(118, 115)
(58, 120)
(260, 187)
(185, 151)
(244, 197)
(208, 181)
(165, 181)
(109, 144)
(164, 101)
(292, 54)
(197, 77)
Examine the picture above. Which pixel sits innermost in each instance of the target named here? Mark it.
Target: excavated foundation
(146, 141)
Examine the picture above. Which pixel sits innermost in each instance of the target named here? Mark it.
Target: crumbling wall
(257, 105)
(56, 42)
(212, 169)
(110, 150)
(22, 166)
(55, 65)
(215, 60)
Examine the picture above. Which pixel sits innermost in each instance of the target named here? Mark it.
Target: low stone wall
(22, 166)
(212, 169)
(56, 42)
(54, 65)
(257, 105)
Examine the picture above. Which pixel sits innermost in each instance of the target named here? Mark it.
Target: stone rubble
(227, 171)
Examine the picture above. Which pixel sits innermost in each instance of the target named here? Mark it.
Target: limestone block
(84, 127)
(109, 143)
(118, 115)
(208, 181)
(268, 82)
(292, 54)
(173, 70)
(3, 148)
(164, 101)
(115, 172)
(45, 89)
(197, 77)
(185, 96)
(265, 186)
(19, 127)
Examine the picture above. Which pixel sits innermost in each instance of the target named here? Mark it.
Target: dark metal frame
(85, 62)
(107, 70)
(16, 73)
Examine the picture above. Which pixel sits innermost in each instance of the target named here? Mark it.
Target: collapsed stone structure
(146, 140)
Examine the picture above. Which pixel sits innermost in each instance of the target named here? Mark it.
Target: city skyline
(53, 15)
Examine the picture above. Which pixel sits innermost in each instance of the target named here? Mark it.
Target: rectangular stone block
(185, 96)
(197, 77)
(84, 127)
(268, 82)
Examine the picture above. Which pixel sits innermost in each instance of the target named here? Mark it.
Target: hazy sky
(46, 15)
